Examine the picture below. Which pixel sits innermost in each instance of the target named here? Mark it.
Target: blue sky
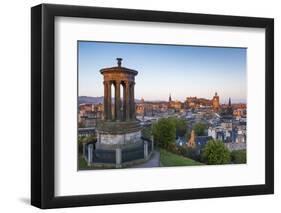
(180, 70)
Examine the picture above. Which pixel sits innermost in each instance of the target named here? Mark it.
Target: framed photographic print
(139, 106)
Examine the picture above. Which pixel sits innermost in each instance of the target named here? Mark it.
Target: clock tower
(216, 102)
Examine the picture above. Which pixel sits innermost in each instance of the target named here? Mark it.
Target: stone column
(90, 154)
(109, 114)
(132, 99)
(145, 150)
(117, 100)
(127, 97)
(118, 158)
(105, 104)
(124, 103)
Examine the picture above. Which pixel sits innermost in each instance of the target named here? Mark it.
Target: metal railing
(119, 155)
(133, 153)
(104, 156)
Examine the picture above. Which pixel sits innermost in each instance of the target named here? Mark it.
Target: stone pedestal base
(119, 144)
(115, 134)
(111, 156)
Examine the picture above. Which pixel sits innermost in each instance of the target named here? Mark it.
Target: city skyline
(181, 71)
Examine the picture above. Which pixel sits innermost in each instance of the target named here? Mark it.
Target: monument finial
(119, 61)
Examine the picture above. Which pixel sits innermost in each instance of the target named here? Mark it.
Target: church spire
(229, 102)
(170, 98)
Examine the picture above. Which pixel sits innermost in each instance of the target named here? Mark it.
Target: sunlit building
(216, 102)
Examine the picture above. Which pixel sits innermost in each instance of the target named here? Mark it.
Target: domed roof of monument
(118, 68)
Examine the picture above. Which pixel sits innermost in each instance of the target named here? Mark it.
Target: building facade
(216, 102)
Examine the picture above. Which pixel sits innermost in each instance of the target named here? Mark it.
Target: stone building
(176, 105)
(194, 102)
(216, 102)
(89, 114)
(140, 108)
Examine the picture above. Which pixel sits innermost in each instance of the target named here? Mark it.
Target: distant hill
(94, 100)
(89, 100)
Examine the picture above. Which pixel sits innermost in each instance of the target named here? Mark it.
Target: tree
(90, 139)
(238, 156)
(81, 139)
(80, 144)
(215, 153)
(199, 129)
(164, 132)
(181, 126)
(146, 133)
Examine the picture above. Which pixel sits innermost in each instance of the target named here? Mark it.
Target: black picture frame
(43, 105)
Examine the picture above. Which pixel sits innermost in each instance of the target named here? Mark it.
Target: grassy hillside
(170, 159)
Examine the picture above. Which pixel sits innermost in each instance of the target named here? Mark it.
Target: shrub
(215, 153)
(146, 133)
(192, 153)
(238, 156)
(182, 150)
(173, 148)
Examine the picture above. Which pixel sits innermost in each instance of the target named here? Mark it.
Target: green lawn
(170, 159)
(82, 163)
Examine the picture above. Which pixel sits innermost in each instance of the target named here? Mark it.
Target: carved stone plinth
(118, 133)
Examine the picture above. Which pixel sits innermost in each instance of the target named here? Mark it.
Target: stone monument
(119, 127)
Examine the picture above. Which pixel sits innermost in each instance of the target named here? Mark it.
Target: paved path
(153, 162)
